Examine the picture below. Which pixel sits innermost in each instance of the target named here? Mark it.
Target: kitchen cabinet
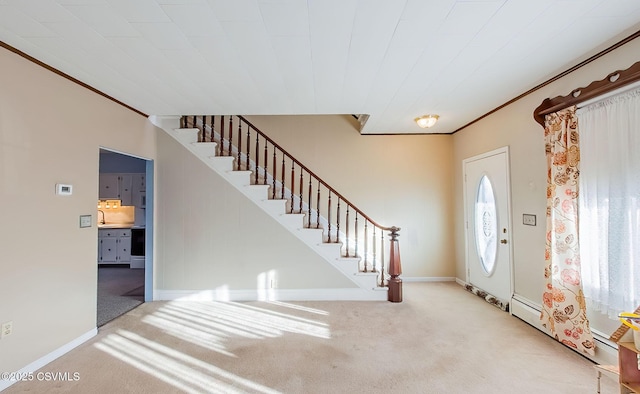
(138, 191)
(108, 187)
(107, 250)
(114, 246)
(116, 187)
(138, 182)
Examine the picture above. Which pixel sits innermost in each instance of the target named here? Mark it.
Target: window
(486, 225)
(609, 198)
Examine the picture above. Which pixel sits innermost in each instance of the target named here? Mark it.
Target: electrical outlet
(7, 329)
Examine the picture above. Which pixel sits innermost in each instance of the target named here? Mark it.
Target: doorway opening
(124, 219)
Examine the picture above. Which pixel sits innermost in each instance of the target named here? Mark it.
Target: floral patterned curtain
(564, 308)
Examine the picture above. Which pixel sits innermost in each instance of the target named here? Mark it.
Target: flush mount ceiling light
(426, 121)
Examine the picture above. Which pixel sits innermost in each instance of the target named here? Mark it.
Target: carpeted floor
(120, 289)
(441, 339)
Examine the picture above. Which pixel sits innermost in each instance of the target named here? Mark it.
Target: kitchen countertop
(115, 225)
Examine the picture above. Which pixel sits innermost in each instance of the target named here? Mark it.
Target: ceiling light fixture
(426, 121)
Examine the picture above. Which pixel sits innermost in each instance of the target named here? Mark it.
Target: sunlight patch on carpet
(300, 308)
(211, 325)
(180, 370)
(226, 319)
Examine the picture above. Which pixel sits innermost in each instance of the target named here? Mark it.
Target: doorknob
(503, 241)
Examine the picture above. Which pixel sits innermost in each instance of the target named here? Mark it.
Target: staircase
(296, 198)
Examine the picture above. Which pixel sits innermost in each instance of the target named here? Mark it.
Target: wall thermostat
(64, 190)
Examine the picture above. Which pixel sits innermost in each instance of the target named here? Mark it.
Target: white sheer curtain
(609, 202)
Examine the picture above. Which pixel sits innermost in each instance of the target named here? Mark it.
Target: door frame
(149, 223)
(149, 230)
(509, 219)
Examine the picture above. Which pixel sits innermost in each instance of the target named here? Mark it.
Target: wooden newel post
(395, 268)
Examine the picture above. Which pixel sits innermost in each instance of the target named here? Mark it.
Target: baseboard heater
(529, 312)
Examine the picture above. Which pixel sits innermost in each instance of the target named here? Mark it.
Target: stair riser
(239, 179)
(220, 164)
(187, 136)
(257, 193)
(205, 149)
(274, 207)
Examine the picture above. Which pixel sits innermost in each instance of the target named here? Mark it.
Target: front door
(488, 223)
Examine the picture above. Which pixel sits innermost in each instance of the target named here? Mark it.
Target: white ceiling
(392, 59)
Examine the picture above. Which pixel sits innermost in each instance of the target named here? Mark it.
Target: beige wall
(515, 127)
(210, 236)
(50, 132)
(400, 180)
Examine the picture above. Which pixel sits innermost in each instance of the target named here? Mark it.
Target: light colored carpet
(442, 339)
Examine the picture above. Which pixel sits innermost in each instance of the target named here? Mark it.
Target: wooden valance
(613, 81)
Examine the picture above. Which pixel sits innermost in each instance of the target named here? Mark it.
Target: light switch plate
(85, 221)
(528, 219)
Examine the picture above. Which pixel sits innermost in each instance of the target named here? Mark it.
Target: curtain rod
(616, 92)
(613, 81)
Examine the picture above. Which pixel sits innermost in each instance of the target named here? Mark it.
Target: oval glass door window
(486, 226)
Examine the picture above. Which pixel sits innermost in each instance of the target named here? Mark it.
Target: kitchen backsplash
(119, 215)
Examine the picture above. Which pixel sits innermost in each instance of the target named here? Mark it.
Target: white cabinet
(125, 189)
(114, 246)
(116, 187)
(107, 250)
(109, 187)
(138, 182)
(138, 190)
(124, 248)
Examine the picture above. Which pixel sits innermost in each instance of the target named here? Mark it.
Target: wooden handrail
(325, 184)
(613, 81)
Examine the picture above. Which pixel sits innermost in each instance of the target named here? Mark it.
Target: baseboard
(529, 312)
(343, 294)
(224, 294)
(42, 361)
(427, 278)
